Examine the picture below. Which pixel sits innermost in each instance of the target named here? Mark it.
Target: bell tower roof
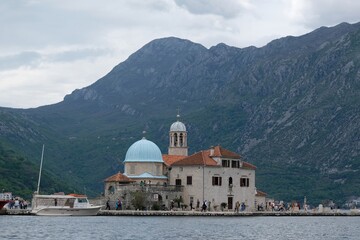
(178, 126)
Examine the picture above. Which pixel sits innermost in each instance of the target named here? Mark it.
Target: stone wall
(154, 195)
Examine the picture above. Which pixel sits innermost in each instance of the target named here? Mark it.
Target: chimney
(211, 151)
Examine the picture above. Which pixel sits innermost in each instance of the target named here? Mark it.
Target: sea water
(139, 228)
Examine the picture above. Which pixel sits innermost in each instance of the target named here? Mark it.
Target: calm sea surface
(36, 227)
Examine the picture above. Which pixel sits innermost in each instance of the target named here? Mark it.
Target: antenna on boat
(41, 162)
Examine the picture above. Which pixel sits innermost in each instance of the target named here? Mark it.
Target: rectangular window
(225, 163)
(235, 164)
(189, 180)
(216, 181)
(178, 182)
(244, 182)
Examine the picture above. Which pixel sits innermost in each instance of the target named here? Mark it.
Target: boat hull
(3, 203)
(61, 211)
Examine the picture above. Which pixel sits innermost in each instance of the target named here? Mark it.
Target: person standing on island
(237, 206)
(204, 206)
(55, 200)
(107, 205)
(118, 204)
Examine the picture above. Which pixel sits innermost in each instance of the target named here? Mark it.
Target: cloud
(22, 59)
(223, 8)
(33, 59)
(314, 14)
(77, 54)
(334, 12)
(49, 82)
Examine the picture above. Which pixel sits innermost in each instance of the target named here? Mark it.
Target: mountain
(290, 107)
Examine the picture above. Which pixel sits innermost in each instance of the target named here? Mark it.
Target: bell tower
(178, 139)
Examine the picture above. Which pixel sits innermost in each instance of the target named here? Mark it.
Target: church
(217, 177)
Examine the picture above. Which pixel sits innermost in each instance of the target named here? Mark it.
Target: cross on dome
(144, 134)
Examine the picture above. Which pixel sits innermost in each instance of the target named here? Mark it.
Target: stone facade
(201, 187)
(153, 195)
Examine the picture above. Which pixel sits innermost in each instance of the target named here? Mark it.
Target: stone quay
(208, 213)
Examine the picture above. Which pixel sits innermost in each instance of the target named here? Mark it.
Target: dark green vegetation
(290, 107)
(20, 176)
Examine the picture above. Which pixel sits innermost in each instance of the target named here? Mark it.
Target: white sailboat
(61, 205)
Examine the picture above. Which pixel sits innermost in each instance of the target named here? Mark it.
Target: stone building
(216, 176)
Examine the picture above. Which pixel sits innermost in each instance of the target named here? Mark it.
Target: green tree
(138, 200)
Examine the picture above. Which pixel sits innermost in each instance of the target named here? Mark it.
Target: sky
(49, 48)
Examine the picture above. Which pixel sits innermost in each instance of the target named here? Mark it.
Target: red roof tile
(170, 159)
(203, 158)
(248, 165)
(260, 193)
(200, 158)
(118, 178)
(222, 152)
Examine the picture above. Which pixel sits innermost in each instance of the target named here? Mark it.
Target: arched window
(181, 140)
(111, 190)
(230, 182)
(175, 139)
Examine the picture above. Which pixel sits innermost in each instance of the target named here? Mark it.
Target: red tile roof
(222, 152)
(248, 165)
(203, 158)
(170, 159)
(200, 158)
(260, 193)
(118, 178)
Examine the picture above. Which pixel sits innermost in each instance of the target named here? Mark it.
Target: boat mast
(41, 162)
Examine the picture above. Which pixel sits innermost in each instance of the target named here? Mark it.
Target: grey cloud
(78, 54)
(155, 5)
(18, 60)
(33, 59)
(226, 9)
(332, 12)
(42, 24)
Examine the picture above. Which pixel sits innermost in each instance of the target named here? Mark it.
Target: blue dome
(143, 151)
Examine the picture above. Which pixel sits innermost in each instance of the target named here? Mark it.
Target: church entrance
(230, 203)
